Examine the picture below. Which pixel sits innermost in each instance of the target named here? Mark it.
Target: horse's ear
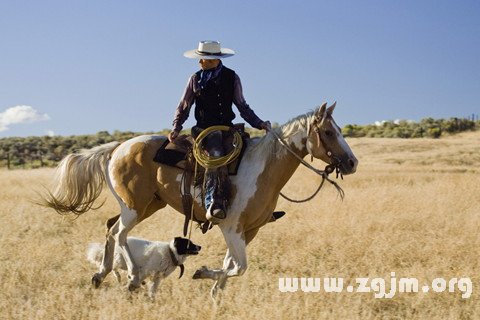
(331, 108)
(321, 111)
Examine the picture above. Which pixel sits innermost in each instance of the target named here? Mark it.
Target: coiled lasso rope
(209, 162)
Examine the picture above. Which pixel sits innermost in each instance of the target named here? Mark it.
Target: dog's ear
(181, 244)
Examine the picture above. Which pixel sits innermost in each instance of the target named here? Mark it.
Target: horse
(142, 187)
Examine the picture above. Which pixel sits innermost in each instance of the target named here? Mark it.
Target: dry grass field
(412, 208)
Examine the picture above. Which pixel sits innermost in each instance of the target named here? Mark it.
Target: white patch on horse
(111, 185)
(124, 149)
(341, 140)
(297, 140)
(111, 182)
(252, 165)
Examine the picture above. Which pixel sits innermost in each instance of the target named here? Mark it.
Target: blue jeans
(214, 147)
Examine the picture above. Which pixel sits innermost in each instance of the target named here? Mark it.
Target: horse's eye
(328, 133)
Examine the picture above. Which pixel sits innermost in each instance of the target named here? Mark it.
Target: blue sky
(79, 67)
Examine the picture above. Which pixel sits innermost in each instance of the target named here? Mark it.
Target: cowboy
(213, 89)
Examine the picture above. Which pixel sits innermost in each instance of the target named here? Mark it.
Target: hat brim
(195, 54)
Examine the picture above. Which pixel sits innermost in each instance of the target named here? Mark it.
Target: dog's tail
(95, 253)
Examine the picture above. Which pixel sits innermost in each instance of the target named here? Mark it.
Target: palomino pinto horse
(142, 186)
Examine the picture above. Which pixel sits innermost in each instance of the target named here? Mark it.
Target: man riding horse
(213, 89)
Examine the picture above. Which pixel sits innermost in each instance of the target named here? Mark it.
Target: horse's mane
(294, 125)
(269, 142)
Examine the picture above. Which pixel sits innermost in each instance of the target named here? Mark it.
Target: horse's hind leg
(128, 219)
(154, 206)
(113, 229)
(107, 260)
(117, 234)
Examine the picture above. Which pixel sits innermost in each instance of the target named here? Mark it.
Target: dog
(154, 259)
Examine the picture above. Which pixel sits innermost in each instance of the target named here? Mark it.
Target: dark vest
(213, 104)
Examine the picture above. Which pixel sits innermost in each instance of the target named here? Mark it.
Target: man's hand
(266, 125)
(173, 135)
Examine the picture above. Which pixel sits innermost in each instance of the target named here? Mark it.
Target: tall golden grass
(412, 208)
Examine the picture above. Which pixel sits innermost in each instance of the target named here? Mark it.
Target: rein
(323, 173)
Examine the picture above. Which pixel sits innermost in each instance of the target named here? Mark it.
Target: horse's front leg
(228, 264)
(232, 268)
(234, 264)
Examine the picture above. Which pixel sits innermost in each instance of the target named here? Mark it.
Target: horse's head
(325, 141)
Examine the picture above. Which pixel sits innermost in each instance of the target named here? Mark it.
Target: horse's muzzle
(348, 165)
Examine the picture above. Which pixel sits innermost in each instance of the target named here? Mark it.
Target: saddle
(180, 155)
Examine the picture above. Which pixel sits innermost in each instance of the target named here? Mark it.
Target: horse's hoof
(277, 215)
(96, 280)
(132, 286)
(199, 273)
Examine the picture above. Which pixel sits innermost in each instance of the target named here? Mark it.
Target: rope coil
(209, 162)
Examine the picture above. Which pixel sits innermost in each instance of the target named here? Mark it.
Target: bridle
(323, 173)
(334, 161)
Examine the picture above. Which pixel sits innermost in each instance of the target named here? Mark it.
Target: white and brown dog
(154, 259)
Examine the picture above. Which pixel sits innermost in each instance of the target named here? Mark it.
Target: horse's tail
(79, 180)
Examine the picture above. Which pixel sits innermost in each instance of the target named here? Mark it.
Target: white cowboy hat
(209, 50)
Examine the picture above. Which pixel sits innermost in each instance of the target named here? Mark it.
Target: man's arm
(183, 109)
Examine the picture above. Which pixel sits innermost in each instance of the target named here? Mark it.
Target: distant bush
(46, 151)
(427, 128)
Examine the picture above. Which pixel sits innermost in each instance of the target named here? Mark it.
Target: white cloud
(396, 121)
(50, 133)
(20, 114)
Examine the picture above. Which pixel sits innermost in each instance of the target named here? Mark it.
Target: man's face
(206, 64)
